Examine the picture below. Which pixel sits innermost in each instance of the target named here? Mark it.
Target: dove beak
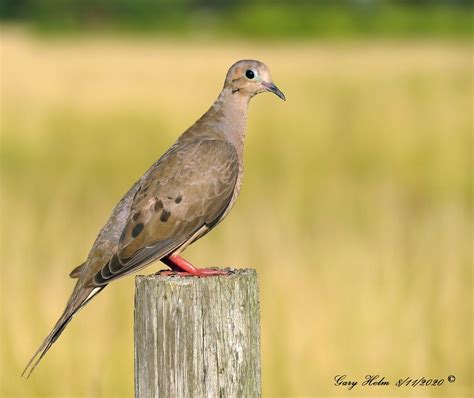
(269, 86)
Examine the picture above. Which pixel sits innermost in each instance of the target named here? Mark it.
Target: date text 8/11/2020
(381, 381)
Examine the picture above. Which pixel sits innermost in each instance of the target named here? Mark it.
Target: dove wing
(185, 195)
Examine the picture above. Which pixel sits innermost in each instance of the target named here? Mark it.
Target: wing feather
(190, 188)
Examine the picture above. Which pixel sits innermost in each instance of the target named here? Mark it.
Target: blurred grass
(252, 19)
(356, 208)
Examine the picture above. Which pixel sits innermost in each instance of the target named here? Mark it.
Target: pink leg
(183, 267)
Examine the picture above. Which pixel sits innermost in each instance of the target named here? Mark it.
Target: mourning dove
(180, 198)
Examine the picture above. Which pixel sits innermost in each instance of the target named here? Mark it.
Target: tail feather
(46, 345)
(79, 298)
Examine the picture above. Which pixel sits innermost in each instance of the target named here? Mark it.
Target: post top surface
(235, 273)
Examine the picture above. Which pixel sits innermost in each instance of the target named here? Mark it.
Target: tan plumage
(182, 196)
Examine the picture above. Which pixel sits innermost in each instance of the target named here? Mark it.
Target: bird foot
(181, 267)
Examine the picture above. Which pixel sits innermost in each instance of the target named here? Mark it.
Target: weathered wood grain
(197, 337)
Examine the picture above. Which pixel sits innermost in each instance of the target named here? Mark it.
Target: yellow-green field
(356, 208)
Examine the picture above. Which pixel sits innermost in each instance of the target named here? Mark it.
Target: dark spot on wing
(135, 216)
(158, 205)
(165, 215)
(178, 199)
(137, 229)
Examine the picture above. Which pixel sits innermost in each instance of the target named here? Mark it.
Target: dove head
(249, 77)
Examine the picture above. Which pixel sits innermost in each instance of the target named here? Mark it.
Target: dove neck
(230, 115)
(225, 120)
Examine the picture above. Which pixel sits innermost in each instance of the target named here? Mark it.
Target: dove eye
(249, 74)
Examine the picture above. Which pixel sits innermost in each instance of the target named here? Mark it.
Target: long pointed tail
(46, 345)
(78, 299)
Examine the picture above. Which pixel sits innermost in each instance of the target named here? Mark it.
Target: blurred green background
(250, 18)
(356, 207)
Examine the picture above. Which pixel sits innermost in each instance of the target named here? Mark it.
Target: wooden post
(197, 337)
